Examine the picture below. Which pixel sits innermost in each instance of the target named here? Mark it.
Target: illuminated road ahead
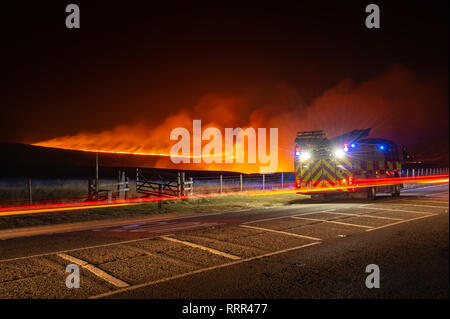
(304, 250)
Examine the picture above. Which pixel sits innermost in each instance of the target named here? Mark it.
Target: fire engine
(342, 164)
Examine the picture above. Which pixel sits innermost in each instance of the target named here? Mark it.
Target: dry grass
(188, 207)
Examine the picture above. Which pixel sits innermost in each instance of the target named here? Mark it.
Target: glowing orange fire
(379, 103)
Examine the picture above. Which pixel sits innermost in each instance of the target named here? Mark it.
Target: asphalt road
(303, 250)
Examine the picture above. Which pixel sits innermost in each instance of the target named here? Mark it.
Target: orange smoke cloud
(396, 104)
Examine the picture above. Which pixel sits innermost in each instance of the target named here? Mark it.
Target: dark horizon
(290, 64)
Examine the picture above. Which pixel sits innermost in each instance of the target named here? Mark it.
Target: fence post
(191, 190)
(282, 180)
(89, 189)
(122, 185)
(413, 172)
(96, 174)
(160, 195)
(119, 187)
(407, 173)
(241, 182)
(30, 197)
(183, 179)
(221, 184)
(179, 184)
(137, 181)
(264, 179)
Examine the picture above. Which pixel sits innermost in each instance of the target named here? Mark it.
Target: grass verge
(188, 207)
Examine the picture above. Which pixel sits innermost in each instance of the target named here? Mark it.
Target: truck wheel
(396, 191)
(372, 193)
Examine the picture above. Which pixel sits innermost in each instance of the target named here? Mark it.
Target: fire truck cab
(343, 164)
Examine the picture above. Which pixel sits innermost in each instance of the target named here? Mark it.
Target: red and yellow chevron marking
(343, 168)
(305, 173)
(329, 172)
(316, 173)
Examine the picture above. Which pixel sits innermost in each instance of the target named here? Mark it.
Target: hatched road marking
(417, 205)
(280, 232)
(240, 261)
(211, 250)
(96, 271)
(396, 210)
(371, 216)
(332, 221)
(400, 222)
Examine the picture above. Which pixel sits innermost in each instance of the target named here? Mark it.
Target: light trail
(50, 208)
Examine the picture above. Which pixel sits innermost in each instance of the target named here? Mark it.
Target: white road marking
(396, 210)
(174, 227)
(371, 216)
(286, 216)
(280, 232)
(332, 221)
(403, 221)
(425, 201)
(76, 249)
(418, 205)
(96, 271)
(110, 293)
(211, 250)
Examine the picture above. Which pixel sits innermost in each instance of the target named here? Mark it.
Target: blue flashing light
(381, 147)
(297, 153)
(353, 145)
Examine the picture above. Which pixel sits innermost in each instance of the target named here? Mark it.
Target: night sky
(310, 62)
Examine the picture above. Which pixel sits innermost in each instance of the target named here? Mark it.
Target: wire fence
(415, 172)
(25, 191)
(242, 182)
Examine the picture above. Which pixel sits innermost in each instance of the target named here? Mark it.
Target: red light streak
(361, 183)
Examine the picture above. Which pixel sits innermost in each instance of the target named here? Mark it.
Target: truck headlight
(339, 153)
(304, 156)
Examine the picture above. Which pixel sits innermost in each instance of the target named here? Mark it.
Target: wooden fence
(111, 191)
(157, 186)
